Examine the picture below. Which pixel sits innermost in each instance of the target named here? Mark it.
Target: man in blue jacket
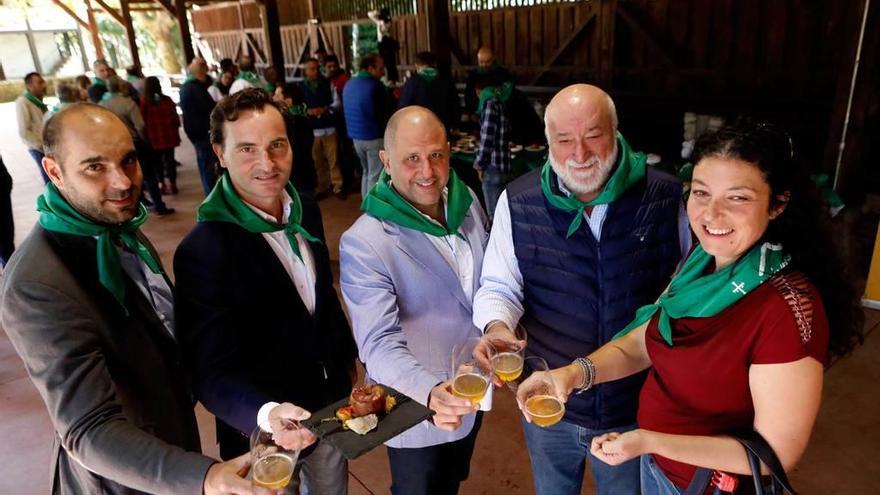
(196, 104)
(366, 104)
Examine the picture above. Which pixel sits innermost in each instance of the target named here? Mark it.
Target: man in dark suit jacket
(88, 307)
(260, 319)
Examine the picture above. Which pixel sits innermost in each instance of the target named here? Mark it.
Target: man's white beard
(600, 172)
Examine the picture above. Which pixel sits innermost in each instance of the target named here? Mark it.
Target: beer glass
(507, 357)
(272, 465)
(469, 379)
(538, 394)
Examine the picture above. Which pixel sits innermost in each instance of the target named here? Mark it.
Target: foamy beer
(470, 380)
(538, 394)
(272, 465)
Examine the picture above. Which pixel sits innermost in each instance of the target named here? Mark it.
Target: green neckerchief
(57, 215)
(249, 76)
(630, 169)
(269, 88)
(429, 74)
(489, 92)
(694, 293)
(106, 96)
(384, 202)
(100, 82)
(223, 204)
(36, 101)
(298, 110)
(362, 73)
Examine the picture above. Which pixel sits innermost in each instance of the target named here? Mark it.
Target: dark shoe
(164, 211)
(173, 188)
(341, 194)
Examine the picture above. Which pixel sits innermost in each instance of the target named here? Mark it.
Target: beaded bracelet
(589, 369)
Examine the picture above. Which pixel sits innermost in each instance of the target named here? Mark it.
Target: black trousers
(7, 226)
(435, 470)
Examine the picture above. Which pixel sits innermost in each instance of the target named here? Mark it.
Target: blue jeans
(37, 155)
(368, 154)
(558, 454)
(206, 160)
(493, 184)
(654, 481)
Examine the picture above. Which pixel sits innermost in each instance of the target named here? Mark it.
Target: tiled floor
(841, 458)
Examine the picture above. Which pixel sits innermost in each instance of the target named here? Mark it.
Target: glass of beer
(271, 464)
(538, 394)
(507, 357)
(470, 380)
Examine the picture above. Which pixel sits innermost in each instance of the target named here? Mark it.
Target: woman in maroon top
(754, 361)
(163, 132)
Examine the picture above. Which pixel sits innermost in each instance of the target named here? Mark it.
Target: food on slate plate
(365, 404)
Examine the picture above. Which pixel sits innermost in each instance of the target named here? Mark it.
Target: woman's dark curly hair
(804, 227)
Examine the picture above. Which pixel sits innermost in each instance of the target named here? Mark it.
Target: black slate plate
(406, 414)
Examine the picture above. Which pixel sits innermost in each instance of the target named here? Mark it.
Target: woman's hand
(616, 448)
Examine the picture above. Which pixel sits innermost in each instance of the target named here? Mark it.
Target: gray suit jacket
(408, 310)
(112, 383)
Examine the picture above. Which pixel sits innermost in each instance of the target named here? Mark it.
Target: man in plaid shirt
(493, 154)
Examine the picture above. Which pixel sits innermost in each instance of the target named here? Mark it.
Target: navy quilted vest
(579, 292)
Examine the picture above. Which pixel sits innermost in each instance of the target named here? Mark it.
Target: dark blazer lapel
(263, 256)
(420, 249)
(80, 255)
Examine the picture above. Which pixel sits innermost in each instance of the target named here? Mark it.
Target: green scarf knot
(695, 294)
(106, 96)
(57, 215)
(429, 74)
(502, 93)
(385, 203)
(362, 73)
(36, 101)
(223, 204)
(631, 168)
(99, 82)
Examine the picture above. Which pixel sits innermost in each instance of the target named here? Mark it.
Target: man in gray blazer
(88, 307)
(409, 269)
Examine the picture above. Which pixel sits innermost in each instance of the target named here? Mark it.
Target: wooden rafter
(564, 46)
(111, 11)
(72, 14)
(166, 4)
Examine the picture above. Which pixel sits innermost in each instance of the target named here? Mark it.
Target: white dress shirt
(457, 253)
(301, 272)
(501, 285)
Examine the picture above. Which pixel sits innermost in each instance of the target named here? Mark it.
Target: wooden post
(607, 18)
(185, 38)
(93, 29)
(129, 32)
(436, 14)
(272, 28)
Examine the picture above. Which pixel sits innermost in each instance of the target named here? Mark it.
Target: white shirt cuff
(263, 415)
